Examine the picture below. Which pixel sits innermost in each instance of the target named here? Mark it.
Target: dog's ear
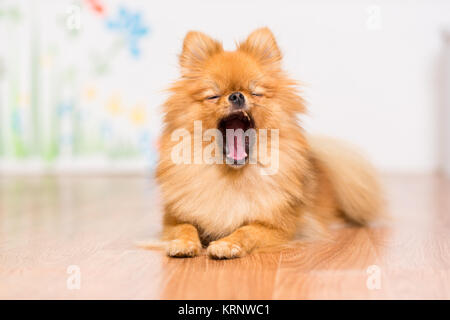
(197, 47)
(262, 45)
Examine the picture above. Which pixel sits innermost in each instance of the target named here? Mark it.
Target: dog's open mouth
(236, 138)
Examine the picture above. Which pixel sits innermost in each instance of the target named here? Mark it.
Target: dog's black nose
(237, 99)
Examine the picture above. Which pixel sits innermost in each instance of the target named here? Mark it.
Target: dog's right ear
(197, 47)
(262, 45)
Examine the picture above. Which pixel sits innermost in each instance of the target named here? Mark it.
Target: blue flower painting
(130, 25)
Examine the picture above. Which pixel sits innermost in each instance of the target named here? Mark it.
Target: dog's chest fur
(218, 204)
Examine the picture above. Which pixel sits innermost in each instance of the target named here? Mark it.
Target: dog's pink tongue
(235, 143)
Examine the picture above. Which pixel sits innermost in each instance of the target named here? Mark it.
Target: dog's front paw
(222, 249)
(183, 248)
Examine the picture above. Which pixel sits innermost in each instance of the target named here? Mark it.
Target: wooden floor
(52, 226)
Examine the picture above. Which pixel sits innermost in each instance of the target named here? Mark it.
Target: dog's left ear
(262, 45)
(197, 47)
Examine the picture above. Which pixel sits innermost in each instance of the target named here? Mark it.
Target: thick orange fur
(233, 212)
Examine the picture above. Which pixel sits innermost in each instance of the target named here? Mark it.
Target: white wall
(373, 84)
(371, 69)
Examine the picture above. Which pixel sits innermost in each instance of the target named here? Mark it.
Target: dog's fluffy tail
(354, 180)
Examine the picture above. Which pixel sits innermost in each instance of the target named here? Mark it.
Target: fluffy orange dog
(234, 207)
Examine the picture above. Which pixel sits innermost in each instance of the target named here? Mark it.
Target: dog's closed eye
(212, 97)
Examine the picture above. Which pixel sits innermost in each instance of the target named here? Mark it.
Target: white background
(372, 70)
(375, 85)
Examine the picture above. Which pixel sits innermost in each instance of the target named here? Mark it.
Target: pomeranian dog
(251, 200)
